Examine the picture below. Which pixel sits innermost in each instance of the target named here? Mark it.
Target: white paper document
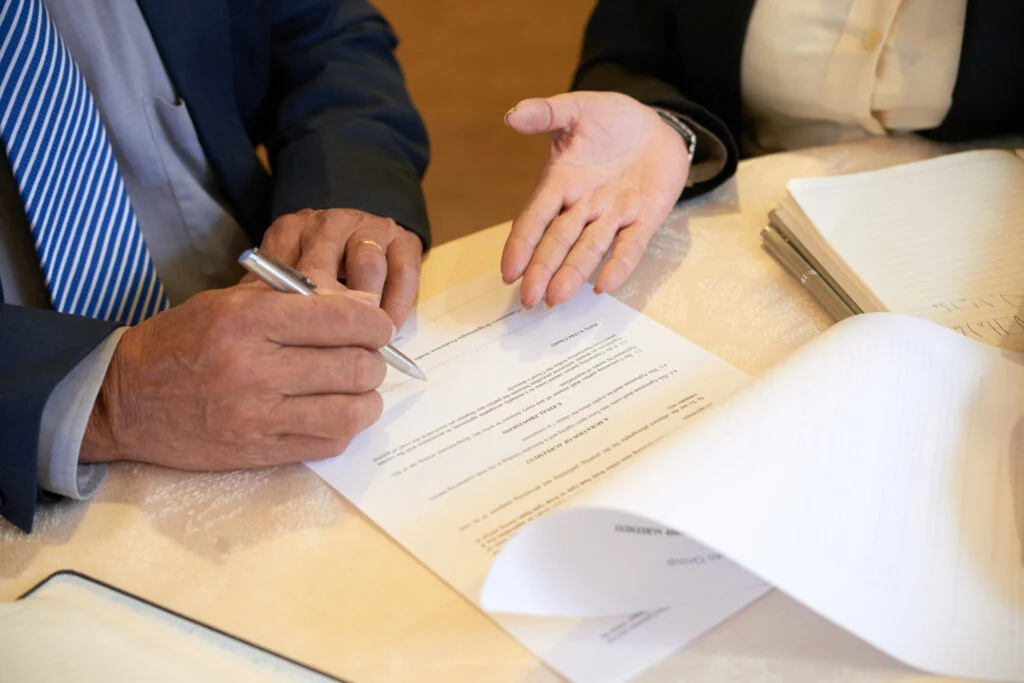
(522, 412)
(877, 476)
(608, 491)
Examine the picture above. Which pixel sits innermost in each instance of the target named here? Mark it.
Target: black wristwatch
(679, 124)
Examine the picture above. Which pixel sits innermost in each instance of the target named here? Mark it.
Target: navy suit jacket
(316, 81)
(686, 55)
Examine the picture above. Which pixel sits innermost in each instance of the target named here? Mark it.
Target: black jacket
(685, 55)
(314, 80)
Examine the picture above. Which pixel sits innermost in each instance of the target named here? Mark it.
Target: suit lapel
(194, 41)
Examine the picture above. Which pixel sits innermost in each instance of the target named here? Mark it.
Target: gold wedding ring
(375, 244)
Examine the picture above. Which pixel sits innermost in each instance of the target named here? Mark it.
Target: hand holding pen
(241, 377)
(286, 279)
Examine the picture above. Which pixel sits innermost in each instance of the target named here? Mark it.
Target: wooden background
(466, 63)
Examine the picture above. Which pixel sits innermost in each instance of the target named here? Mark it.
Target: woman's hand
(614, 173)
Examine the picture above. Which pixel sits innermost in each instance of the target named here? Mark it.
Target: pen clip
(285, 268)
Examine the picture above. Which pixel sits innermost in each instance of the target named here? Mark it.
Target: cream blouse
(818, 72)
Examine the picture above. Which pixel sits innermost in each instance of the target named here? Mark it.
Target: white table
(280, 559)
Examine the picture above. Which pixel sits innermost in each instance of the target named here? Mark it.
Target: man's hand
(614, 172)
(372, 254)
(241, 377)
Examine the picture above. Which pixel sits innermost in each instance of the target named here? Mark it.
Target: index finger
(323, 321)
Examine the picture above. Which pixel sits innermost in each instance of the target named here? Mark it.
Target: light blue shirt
(188, 225)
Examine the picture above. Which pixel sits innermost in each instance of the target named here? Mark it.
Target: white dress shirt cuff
(65, 418)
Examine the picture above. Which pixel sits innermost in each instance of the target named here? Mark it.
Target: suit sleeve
(347, 134)
(632, 47)
(38, 348)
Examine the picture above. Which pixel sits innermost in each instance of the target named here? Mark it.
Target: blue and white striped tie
(94, 260)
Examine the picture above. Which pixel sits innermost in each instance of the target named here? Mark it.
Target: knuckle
(360, 412)
(533, 219)
(629, 203)
(411, 248)
(519, 242)
(345, 214)
(633, 245)
(583, 205)
(575, 270)
(560, 237)
(368, 326)
(276, 414)
(540, 268)
(372, 369)
(275, 230)
(308, 227)
(350, 419)
(363, 370)
(348, 219)
(631, 249)
(345, 313)
(404, 277)
(320, 223)
(285, 226)
(234, 420)
(644, 229)
(593, 249)
(541, 265)
(404, 235)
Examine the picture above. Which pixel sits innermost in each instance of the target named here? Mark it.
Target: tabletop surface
(278, 558)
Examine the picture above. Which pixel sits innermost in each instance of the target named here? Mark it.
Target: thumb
(542, 115)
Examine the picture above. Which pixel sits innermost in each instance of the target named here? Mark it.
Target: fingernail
(547, 304)
(527, 307)
(394, 332)
(509, 113)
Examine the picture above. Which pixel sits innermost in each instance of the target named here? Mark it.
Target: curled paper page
(523, 410)
(592, 562)
(877, 476)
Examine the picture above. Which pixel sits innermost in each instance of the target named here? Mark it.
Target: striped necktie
(93, 257)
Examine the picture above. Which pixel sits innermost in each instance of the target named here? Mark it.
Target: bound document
(941, 239)
(73, 628)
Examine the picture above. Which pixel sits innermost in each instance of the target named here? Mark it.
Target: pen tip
(416, 373)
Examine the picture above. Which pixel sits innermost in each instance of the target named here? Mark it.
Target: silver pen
(784, 252)
(284, 278)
